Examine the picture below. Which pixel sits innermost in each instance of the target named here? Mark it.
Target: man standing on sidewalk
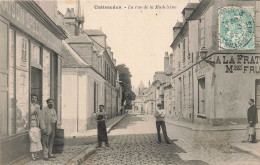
(47, 120)
(160, 122)
(252, 118)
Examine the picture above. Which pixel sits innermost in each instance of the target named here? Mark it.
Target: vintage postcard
(130, 82)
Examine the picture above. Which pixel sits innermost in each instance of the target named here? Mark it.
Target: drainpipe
(77, 99)
(192, 91)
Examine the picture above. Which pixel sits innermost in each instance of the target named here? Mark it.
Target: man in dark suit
(252, 119)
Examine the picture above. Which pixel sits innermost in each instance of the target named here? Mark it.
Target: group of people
(160, 123)
(43, 126)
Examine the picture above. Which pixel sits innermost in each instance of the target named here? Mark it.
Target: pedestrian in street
(47, 121)
(160, 122)
(121, 111)
(252, 118)
(101, 126)
(35, 108)
(35, 139)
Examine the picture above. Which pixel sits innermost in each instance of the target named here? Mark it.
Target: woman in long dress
(101, 126)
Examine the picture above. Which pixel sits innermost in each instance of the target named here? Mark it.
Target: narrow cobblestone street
(133, 141)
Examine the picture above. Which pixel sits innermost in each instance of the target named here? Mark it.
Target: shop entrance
(201, 96)
(36, 83)
(257, 96)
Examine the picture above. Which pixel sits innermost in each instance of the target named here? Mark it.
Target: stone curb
(112, 126)
(204, 129)
(83, 155)
(246, 150)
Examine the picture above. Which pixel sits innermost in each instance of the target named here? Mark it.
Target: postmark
(236, 28)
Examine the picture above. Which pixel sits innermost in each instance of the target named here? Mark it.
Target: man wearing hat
(47, 121)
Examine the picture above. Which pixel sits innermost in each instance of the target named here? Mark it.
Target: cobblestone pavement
(133, 141)
(68, 153)
(74, 145)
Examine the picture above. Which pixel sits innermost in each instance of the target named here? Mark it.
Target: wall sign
(18, 15)
(236, 28)
(240, 63)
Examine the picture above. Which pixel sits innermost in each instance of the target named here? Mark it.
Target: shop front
(30, 64)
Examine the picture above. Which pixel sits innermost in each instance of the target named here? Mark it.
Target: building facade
(89, 75)
(215, 65)
(31, 46)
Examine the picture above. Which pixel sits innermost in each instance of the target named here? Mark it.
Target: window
(183, 51)
(22, 54)
(24, 49)
(35, 55)
(46, 83)
(202, 32)
(190, 97)
(22, 84)
(12, 102)
(95, 99)
(184, 92)
(105, 69)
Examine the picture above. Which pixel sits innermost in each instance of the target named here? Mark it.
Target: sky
(139, 38)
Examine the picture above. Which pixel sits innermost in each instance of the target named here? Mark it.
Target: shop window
(22, 84)
(12, 100)
(35, 55)
(46, 77)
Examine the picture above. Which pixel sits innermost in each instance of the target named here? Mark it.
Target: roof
(79, 39)
(178, 24)
(201, 6)
(190, 6)
(94, 32)
(69, 57)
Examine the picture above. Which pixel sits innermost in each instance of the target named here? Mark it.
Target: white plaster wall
(69, 100)
(233, 90)
(82, 88)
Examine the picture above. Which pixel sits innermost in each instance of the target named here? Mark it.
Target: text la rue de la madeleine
(131, 7)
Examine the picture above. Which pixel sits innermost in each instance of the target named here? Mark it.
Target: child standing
(35, 138)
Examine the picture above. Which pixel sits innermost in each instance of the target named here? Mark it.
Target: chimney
(72, 12)
(188, 10)
(171, 60)
(70, 22)
(166, 61)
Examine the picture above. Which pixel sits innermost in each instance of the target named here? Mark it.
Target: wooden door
(201, 96)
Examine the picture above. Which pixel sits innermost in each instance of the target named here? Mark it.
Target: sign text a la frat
(239, 63)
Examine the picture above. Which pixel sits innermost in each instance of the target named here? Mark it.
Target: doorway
(201, 92)
(257, 96)
(36, 83)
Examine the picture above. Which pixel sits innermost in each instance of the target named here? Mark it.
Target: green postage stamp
(236, 28)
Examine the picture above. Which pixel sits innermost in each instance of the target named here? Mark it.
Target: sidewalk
(78, 146)
(203, 127)
(251, 148)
